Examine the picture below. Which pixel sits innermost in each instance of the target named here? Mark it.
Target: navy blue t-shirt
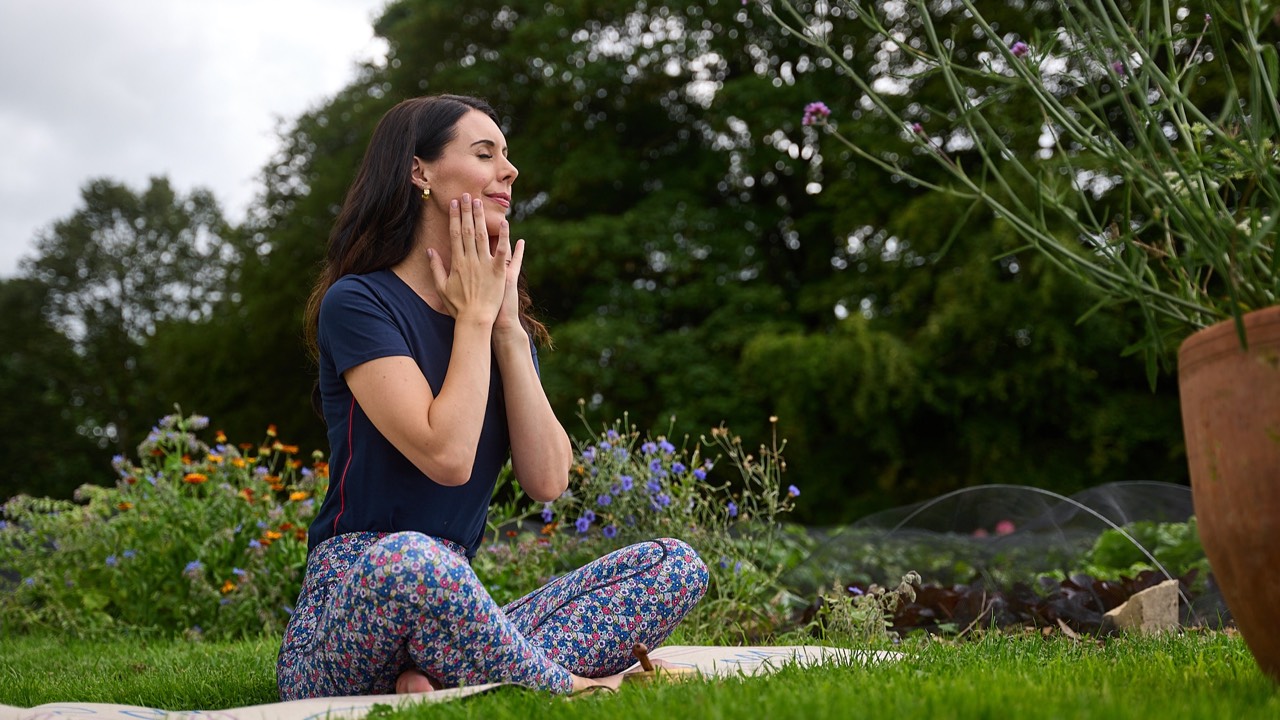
(372, 485)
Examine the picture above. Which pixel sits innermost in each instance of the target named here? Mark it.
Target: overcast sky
(135, 88)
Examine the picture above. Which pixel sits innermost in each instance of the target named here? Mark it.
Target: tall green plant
(1151, 172)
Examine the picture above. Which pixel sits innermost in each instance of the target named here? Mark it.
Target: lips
(502, 199)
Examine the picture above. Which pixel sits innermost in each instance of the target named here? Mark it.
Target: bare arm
(440, 434)
(540, 450)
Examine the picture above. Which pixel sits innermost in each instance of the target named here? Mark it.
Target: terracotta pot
(1231, 421)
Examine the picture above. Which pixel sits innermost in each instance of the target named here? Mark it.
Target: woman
(428, 382)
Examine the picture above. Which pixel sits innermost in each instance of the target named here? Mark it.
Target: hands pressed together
(480, 285)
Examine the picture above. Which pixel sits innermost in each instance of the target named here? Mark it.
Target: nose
(510, 172)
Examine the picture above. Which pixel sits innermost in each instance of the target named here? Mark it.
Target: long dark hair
(380, 215)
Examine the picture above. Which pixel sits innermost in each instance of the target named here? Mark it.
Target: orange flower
(247, 494)
(291, 449)
(227, 587)
(511, 533)
(300, 535)
(549, 528)
(271, 430)
(299, 495)
(272, 535)
(130, 480)
(286, 526)
(237, 462)
(322, 469)
(246, 446)
(215, 459)
(277, 445)
(195, 478)
(296, 464)
(220, 437)
(125, 506)
(186, 459)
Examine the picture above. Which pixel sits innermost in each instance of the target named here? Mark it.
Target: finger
(480, 229)
(502, 248)
(455, 228)
(517, 260)
(468, 221)
(437, 268)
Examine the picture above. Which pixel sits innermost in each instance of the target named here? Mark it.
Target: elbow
(448, 471)
(548, 492)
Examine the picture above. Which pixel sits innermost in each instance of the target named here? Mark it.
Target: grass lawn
(1195, 675)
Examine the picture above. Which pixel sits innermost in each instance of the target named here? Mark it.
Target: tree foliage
(697, 252)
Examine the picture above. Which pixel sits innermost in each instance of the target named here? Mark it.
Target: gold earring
(426, 193)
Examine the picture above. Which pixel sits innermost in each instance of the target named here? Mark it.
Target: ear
(418, 173)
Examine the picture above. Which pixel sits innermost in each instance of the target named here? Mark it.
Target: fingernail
(453, 204)
(475, 203)
(466, 197)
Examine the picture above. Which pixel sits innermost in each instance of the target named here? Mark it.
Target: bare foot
(413, 681)
(611, 682)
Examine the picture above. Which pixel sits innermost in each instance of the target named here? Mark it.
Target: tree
(45, 451)
(118, 268)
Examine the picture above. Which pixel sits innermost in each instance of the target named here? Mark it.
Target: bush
(194, 538)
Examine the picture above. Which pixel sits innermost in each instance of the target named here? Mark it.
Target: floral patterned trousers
(374, 605)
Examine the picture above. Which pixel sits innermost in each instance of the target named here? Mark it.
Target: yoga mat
(707, 660)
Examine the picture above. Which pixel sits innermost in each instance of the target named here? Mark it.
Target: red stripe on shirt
(351, 451)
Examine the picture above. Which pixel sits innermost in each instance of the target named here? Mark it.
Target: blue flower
(662, 499)
(610, 531)
(112, 561)
(582, 524)
(678, 468)
(193, 568)
(605, 499)
(737, 567)
(793, 491)
(589, 455)
(855, 590)
(224, 601)
(724, 563)
(626, 482)
(546, 513)
(589, 515)
(612, 434)
(29, 581)
(733, 509)
(666, 447)
(238, 572)
(649, 448)
(700, 474)
(653, 486)
(262, 524)
(254, 544)
(261, 470)
(3, 524)
(656, 466)
(621, 453)
(129, 554)
(604, 445)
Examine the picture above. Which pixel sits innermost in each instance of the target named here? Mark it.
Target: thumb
(437, 268)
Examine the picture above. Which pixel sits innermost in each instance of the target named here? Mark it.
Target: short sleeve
(356, 326)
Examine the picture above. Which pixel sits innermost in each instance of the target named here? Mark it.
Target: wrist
(514, 336)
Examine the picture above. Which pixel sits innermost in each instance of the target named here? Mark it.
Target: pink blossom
(1019, 49)
(815, 111)
(1004, 527)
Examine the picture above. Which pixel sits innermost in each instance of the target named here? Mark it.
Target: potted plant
(1151, 171)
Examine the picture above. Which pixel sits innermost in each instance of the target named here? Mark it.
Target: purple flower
(547, 514)
(653, 486)
(917, 128)
(733, 509)
(793, 491)
(112, 561)
(724, 563)
(254, 544)
(662, 499)
(815, 111)
(193, 568)
(29, 581)
(678, 468)
(855, 590)
(130, 553)
(589, 455)
(737, 567)
(626, 482)
(582, 524)
(656, 465)
(605, 499)
(589, 515)
(666, 447)
(610, 531)
(612, 434)
(621, 453)
(1119, 68)
(1019, 49)
(700, 474)
(649, 448)
(238, 572)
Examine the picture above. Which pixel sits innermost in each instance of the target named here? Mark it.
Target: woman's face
(474, 162)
